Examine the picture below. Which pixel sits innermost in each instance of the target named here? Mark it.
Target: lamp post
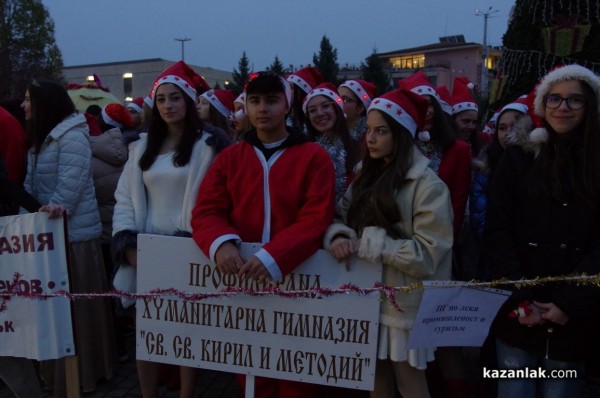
(484, 73)
(183, 40)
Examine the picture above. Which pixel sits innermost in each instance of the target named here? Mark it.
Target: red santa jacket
(12, 146)
(455, 171)
(285, 202)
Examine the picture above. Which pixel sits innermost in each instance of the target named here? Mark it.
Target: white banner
(34, 247)
(323, 340)
(452, 314)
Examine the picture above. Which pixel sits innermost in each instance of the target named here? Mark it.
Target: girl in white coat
(397, 213)
(159, 184)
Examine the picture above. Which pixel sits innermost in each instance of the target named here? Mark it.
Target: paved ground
(211, 384)
(125, 383)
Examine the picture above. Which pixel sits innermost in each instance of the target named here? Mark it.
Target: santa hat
(240, 99)
(182, 76)
(306, 78)
(222, 100)
(148, 100)
(462, 100)
(419, 83)
(445, 99)
(116, 115)
(520, 105)
(405, 107)
(363, 89)
(326, 89)
(136, 104)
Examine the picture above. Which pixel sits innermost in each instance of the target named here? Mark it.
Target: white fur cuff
(371, 244)
(337, 229)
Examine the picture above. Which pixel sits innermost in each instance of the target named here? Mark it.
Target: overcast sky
(99, 31)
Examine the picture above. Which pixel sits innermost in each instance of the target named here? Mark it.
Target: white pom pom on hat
(424, 136)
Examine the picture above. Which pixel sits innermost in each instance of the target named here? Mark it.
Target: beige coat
(423, 252)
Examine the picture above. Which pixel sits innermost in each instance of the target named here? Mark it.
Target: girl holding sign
(396, 213)
(159, 184)
(543, 220)
(59, 172)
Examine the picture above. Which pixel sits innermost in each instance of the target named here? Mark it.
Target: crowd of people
(404, 179)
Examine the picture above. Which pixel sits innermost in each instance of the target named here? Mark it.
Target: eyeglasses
(575, 102)
(325, 106)
(348, 99)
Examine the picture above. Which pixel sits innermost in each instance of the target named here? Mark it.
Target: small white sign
(34, 247)
(452, 314)
(321, 339)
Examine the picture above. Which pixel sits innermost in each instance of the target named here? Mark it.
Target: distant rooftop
(431, 47)
(137, 61)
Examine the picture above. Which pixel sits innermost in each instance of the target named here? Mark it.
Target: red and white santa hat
(419, 83)
(520, 105)
(240, 99)
(462, 100)
(326, 89)
(136, 104)
(148, 100)
(405, 107)
(445, 99)
(306, 78)
(222, 100)
(116, 115)
(182, 76)
(363, 89)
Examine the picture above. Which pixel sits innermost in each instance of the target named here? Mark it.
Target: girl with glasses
(542, 220)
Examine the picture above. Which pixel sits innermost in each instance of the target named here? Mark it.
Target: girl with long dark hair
(396, 213)
(327, 127)
(542, 220)
(59, 171)
(159, 184)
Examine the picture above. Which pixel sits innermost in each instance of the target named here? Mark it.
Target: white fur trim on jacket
(565, 73)
(371, 244)
(335, 230)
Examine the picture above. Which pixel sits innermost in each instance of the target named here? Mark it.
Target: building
(442, 62)
(131, 79)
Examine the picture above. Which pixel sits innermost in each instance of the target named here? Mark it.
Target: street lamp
(182, 40)
(484, 73)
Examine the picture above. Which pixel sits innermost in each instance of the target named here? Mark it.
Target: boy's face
(267, 112)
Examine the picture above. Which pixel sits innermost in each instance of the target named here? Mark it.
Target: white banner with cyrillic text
(452, 314)
(322, 339)
(33, 260)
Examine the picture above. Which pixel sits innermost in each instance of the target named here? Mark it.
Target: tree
(240, 76)
(326, 61)
(540, 36)
(372, 71)
(27, 46)
(277, 67)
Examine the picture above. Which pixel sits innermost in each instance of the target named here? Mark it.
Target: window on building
(127, 84)
(413, 61)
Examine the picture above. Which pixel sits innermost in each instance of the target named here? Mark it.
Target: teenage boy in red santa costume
(273, 187)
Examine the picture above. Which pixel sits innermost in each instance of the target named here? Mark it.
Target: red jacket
(12, 146)
(455, 171)
(286, 203)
